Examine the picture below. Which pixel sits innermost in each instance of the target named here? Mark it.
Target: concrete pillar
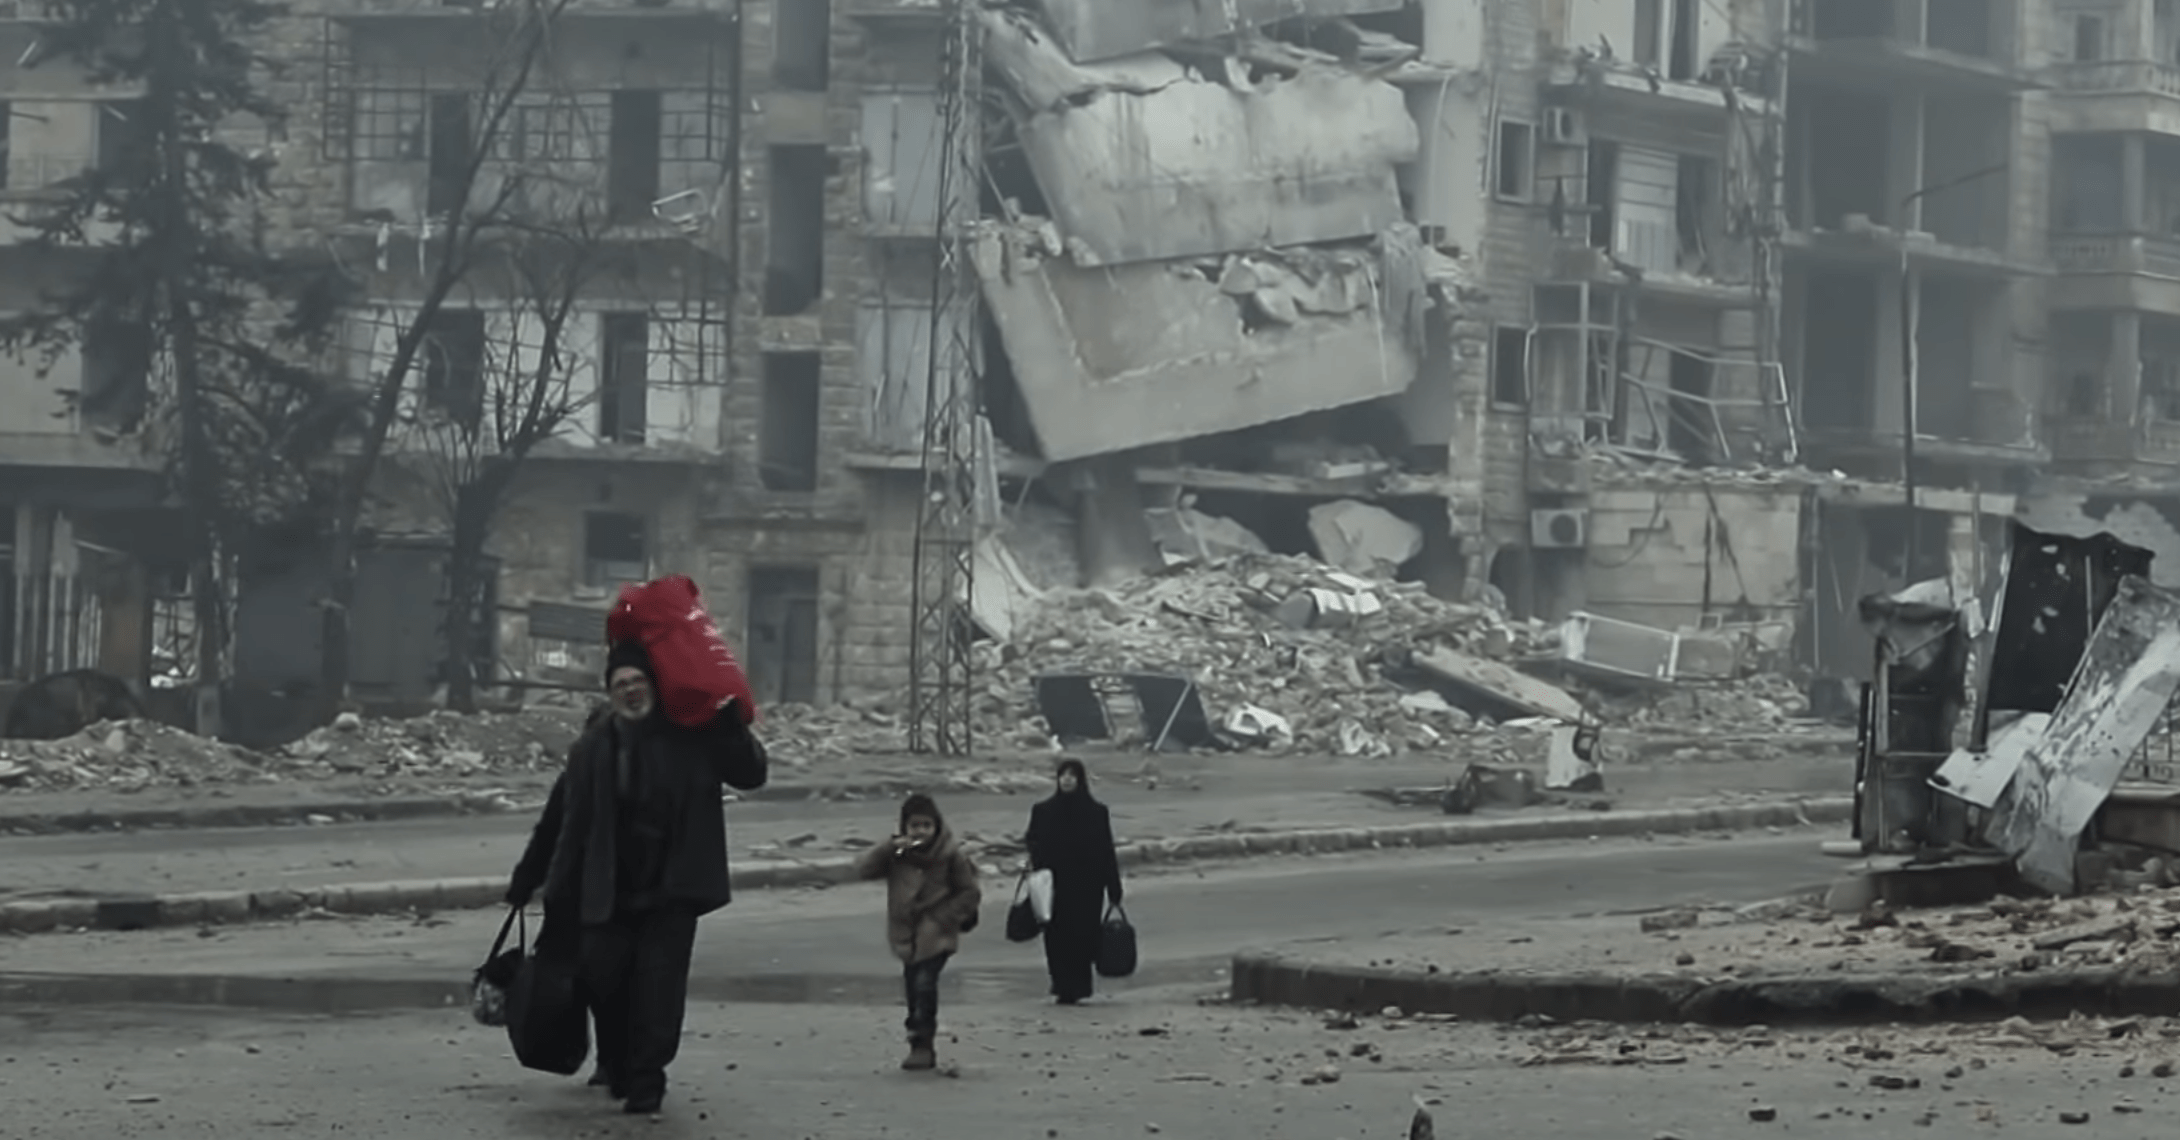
(2136, 36)
(2133, 184)
(1886, 378)
(1911, 20)
(1112, 536)
(1904, 162)
(2123, 369)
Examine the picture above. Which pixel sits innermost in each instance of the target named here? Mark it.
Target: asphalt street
(1155, 1065)
(828, 944)
(1194, 794)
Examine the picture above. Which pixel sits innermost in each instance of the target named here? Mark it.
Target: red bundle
(695, 671)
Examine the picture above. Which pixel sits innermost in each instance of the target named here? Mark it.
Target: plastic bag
(1040, 896)
(695, 670)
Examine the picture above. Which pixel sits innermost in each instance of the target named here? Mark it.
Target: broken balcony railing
(1641, 403)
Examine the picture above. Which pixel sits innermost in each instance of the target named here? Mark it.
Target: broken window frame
(624, 377)
(1504, 338)
(446, 162)
(451, 363)
(601, 571)
(635, 156)
(786, 597)
(783, 296)
(1515, 153)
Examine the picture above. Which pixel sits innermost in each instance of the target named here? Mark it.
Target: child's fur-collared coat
(929, 895)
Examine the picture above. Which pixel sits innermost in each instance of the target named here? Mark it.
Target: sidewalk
(1783, 962)
(1207, 811)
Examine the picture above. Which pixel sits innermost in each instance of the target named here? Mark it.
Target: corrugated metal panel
(902, 148)
(1648, 208)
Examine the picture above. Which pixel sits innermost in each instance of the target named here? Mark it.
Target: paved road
(827, 944)
(1154, 1066)
(1194, 794)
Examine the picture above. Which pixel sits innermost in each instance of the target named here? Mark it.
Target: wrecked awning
(1143, 159)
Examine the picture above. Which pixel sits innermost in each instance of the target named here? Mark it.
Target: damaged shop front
(2066, 695)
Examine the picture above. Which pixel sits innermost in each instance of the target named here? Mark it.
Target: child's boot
(920, 1055)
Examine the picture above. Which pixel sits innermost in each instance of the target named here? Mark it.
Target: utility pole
(1908, 420)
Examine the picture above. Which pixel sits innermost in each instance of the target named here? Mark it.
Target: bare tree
(521, 40)
(520, 398)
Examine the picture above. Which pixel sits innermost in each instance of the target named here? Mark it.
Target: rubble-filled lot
(2137, 929)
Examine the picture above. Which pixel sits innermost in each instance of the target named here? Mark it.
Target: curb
(1827, 999)
(366, 810)
(361, 993)
(140, 912)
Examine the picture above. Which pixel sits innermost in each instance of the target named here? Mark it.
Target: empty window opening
(624, 380)
(802, 49)
(1946, 327)
(2088, 39)
(2080, 344)
(116, 362)
(1848, 19)
(453, 352)
(783, 634)
(1965, 148)
(1649, 32)
(1686, 24)
(787, 441)
(7, 140)
(122, 144)
(795, 269)
(1839, 351)
(2086, 195)
(1696, 222)
(1969, 27)
(2084, 395)
(1692, 430)
(1842, 167)
(1510, 366)
(2160, 350)
(451, 149)
(1517, 160)
(1604, 171)
(616, 549)
(632, 156)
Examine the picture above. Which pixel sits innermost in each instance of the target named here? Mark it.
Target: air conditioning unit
(1563, 127)
(1559, 528)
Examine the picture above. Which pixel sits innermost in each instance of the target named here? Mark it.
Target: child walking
(931, 898)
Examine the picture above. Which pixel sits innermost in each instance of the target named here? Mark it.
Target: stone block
(29, 917)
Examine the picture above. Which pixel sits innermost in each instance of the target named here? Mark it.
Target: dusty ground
(2132, 929)
(1153, 1064)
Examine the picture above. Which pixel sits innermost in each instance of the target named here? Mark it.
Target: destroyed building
(1603, 307)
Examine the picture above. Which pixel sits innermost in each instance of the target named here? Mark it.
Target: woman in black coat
(1071, 835)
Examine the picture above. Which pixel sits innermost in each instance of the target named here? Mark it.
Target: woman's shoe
(920, 1057)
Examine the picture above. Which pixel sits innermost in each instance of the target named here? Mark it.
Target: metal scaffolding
(941, 690)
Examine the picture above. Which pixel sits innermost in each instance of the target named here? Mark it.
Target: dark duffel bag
(548, 1022)
(1116, 945)
(1022, 924)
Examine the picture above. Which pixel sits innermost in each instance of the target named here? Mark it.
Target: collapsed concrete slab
(1143, 159)
(1128, 356)
(1092, 30)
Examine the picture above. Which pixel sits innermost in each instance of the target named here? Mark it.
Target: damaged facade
(1602, 307)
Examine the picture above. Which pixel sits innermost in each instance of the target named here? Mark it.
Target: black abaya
(1071, 835)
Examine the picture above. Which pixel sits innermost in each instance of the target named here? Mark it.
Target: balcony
(1962, 46)
(2117, 95)
(2098, 440)
(2123, 271)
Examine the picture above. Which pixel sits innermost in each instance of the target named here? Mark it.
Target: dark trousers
(921, 980)
(636, 968)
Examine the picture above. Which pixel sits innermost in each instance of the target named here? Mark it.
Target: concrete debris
(1288, 653)
(137, 755)
(1362, 538)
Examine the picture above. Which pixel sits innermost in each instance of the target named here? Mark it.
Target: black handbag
(548, 1021)
(1116, 945)
(489, 985)
(1022, 924)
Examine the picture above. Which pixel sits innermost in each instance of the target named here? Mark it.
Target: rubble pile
(1286, 634)
(1890, 1054)
(135, 755)
(1763, 703)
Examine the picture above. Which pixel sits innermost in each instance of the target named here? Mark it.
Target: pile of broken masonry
(1329, 654)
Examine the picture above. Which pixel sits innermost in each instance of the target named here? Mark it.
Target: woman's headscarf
(1081, 794)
